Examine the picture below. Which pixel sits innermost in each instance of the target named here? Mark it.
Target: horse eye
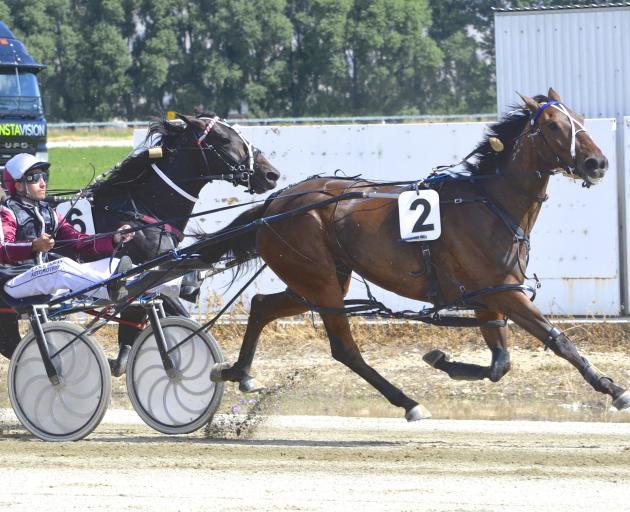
(553, 126)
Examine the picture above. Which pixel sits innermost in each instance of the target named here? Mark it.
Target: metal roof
(561, 7)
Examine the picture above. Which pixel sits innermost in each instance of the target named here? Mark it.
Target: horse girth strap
(434, 294)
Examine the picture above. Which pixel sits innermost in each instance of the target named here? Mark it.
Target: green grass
(87, 133)
(71, 169)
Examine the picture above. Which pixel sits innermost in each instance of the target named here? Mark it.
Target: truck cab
(22, 122)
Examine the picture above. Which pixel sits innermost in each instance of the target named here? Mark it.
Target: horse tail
(241, 246)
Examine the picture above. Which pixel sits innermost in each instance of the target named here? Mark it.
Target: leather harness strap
(433, 293)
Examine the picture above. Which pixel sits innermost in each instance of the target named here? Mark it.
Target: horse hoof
(622, 401)
(249, 385)
(435, 357)
(215, 371)
(418, 412)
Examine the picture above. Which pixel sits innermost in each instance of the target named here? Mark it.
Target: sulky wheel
(183, 400)
(74, 407)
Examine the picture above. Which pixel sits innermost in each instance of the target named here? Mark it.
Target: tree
(391, 61)
(316, 57)
(466, 80)
(243, 63)
(5, 13)
(86, 56)
(158, 43)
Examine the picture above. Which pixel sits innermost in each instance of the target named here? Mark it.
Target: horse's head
(564, 142)
(231, 154)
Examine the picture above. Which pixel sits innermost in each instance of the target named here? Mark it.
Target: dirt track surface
(326, 463)
(275, 460)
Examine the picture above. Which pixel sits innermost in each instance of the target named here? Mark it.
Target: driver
(29, 230)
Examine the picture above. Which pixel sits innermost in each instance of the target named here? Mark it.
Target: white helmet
(18, 166)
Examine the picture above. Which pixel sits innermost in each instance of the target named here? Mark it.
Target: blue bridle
(541, 109)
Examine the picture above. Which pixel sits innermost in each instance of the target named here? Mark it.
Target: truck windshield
(19, 93)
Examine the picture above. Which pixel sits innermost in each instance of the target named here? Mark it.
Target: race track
(323, 463)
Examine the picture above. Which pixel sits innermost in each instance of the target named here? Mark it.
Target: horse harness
(520, 237)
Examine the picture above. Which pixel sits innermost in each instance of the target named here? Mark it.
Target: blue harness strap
(542, 109)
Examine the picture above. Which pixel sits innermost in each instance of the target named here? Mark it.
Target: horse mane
(507, 130)
(162, 133)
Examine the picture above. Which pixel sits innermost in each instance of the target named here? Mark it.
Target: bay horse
(484, 243)
(143, 190)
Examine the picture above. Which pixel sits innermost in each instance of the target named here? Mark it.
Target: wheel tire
(174, 405)
(74, 408)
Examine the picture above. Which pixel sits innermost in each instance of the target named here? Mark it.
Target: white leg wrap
(60, 276)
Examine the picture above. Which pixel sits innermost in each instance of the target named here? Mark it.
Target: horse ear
(191, 121)
(184, 118)
(553, 94)
(531, 103)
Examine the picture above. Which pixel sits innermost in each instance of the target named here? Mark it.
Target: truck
(22, 123)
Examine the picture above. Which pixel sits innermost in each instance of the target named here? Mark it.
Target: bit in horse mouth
(588, 180)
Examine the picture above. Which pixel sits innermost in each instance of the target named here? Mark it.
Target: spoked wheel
(183, 400)
(74, 407)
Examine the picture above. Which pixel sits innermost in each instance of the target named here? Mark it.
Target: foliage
(140, 58)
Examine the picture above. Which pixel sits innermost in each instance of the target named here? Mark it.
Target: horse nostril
(591, 163)
(272, 176)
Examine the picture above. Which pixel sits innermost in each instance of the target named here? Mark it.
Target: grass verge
(72, 167)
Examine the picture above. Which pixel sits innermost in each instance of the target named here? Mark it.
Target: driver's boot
(118, 366)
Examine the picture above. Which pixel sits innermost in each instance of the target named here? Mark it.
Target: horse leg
(345, 350)
(10, 334)
(127, 334)
(523, 312)
(264, 309)
(496, 339)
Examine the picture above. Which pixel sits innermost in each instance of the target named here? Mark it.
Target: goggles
(35, 177)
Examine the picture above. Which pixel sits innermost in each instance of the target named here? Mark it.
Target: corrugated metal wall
(582, 53)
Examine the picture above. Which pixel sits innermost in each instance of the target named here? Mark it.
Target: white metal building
(583, 52)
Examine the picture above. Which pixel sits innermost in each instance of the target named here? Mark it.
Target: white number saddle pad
(80, 215)
(419, 213)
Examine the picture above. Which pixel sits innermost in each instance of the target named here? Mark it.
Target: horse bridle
(576, 127)
(243, 169)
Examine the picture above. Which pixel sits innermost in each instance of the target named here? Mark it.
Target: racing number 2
(420, 226)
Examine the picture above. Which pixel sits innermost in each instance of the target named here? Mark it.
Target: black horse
(157, 190)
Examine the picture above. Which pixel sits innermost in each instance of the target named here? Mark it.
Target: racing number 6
(74, 219)
(420, 226)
